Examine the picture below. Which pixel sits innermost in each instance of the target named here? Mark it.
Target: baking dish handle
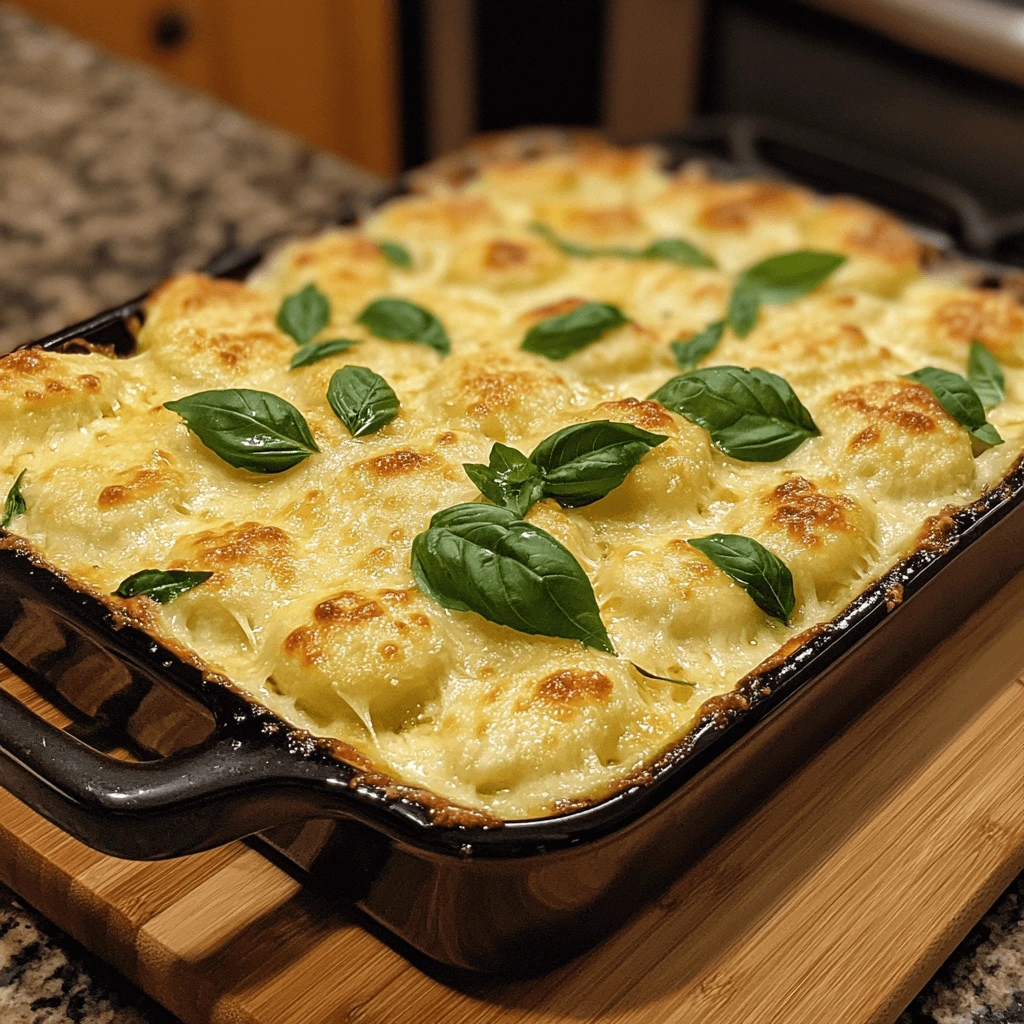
(218, 792)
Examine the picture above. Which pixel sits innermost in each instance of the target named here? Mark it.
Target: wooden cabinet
(326, 70)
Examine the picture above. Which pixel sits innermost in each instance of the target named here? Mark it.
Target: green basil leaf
(690, 352)
(361, 399)
(401, 320)
(764, 576)
(395, 253)
(776, 280)
(15, 504)
(248, 429)
(784, 278)
(663, 679)
(576, 249)
(317, 350)
(161, 585)
(673, 250)
(511, 480)
(676, 250)
(559, 337)
(752, 415)
(484, 559)
(961, 401)
(582, 463)
(986, 376)
(984, 437)
(744, 307)
(304, 314)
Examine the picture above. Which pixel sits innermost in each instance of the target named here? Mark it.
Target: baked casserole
(499, 488)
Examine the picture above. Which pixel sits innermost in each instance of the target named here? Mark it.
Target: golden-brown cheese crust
(883, 255)
(379, 654)
(826, 539)
(312, 608)
(349, 268)
(208, 333)
(897, 437)
(506, 262)
(505, 397)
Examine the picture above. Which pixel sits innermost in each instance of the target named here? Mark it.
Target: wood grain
(834, 902)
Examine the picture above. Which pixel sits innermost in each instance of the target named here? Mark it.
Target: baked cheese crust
(312, 608)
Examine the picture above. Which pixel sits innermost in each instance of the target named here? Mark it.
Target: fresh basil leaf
(576, 249)
(576, 466)
(161, 585)
(510, 480)
(361, 399)
(984, 437)
(676, 250)
(401, 320)
(776, 280)
(986, 376)
(663, 679)
(304, 314)
(961, 401)
(485, 559)
(395, 253)
(582, 463)
(15, 504)
(317, 350)
(559, 337)
(744, 307)
(764, 576)
(248, 429)
(673, 250)
(690, 352)
(784, 278)
(752, 415)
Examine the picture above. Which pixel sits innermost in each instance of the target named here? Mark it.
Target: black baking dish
(211, 767)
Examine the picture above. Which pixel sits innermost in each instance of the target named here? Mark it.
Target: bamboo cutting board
(833, 903)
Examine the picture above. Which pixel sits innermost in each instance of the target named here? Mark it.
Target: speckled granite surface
(109, 180)
(47, 979)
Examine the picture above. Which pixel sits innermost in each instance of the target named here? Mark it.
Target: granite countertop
(110, 179)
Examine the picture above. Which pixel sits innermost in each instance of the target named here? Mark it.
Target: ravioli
(311, 607)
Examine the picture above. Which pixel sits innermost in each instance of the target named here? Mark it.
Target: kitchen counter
(111, 178)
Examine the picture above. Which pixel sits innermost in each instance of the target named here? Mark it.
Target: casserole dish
(454, 882)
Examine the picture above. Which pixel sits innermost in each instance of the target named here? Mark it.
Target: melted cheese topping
(312, 608)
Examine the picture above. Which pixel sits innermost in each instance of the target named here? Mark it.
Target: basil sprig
(161, 585)
(317, 350)
(583, 463)
(248, 429)
(15, 504)
(361, 399)
(305, 314)
(763, 575)
(559, 337)
(690, 352)
(510, 479)
(776, 280)
(986, 376)
(576, 466)
(485, 559)
(961, 401)
(751, 415)
(401, 320)
(673, 250)
(395, 253)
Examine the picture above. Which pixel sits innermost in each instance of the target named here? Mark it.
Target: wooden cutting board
(834, 902)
